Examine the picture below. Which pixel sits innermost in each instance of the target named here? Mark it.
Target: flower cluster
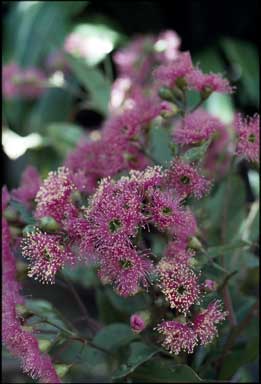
(248, 130)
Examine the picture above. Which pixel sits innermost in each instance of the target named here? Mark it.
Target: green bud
(11, 214)
(145, 315)
(44, 345)
(62, 369)
(15, 231)
(206, 93)
(165, 93)
(194, 243)
(22, 310)
(48, 223)
(181, 83)
(193, 262)
(28, 229)
(76, 197)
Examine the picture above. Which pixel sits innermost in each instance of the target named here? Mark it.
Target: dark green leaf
(64, 136)
(94, 81)
(114, 336)
(127, 305)
(26, 216)
(139, 353)
(159, 144)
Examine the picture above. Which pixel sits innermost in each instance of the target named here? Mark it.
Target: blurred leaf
(55, 105)
(238, 358)
(26, 216)
(139, 353)
(245, 55)
(94, 81)
(64, 136)
(33, 28)
(209, 60)
(196, 153)
(114, 336)
(162, 371)
(107, 312)
(127, 305)
(221, 106)
(82, 274)
(100, 40)
(159, 144)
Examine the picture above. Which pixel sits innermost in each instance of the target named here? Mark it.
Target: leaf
(209, 60)
(245, 55)
(64, 136)
(159, 144)
(162, 371)
(114, 336)
(26, 216)
(94, 81)
(196, 153)
(54, 106)
(239, 358)
(139, 353)
(127, 305)
(83, 275)
(221, 106)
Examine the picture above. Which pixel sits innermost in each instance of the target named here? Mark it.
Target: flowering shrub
(148, 230)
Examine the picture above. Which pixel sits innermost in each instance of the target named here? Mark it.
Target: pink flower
(178, 252)
(211, 82)
(18, 82)
(205, 323)
(195, 127)
(46, 254)
(167, 75)
(125, 268)
(54, 196)
(137, 323)
(167, 46)
(165, 211)
(186, 180)
(19, 343)
(210, 285)
(177, 336)
(248, 136)
(29, 186)
(179, 284)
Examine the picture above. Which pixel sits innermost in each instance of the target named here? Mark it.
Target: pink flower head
(211, 82)
(210, 285)
(179, 284)
(114, 214)
(54, 196)
(165, 211)
(46, 254)
(18, 82)
(167, 75)
(137, 323)
(177, 336)
(125, 268)
(205, 323)
(167, 46)
(177, 252)
(186, 180)
(151, 177)
(29, 186)
(248, 136)
(195, 127)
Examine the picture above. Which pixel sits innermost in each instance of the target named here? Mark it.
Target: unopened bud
(194, 243)
(48, 223)
(168, 109)
(10, 214)
(210, 285)
(44, 345)
(165, 93)
(137, 323)
(206, 93)
(28, 229)
(62, 369)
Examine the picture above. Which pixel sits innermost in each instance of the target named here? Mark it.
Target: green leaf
(64, 136)
(54, 106)
(94, 81)
(245, 55)
(25, 215)
(196, 153)
(114, 336)
(221, 106)
(127, 305)
(83, 275)
(139, 353)
(209, 60)
(159, 144)
(162, 371)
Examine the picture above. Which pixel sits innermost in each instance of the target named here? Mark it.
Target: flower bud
(165, 93)
(11, 214)
(168, 109)
(62, 369)
(210, 285)
(28, 229)
(194, 243)
(48, 223)
(44, 345)
(206, 93)
(137, 323)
